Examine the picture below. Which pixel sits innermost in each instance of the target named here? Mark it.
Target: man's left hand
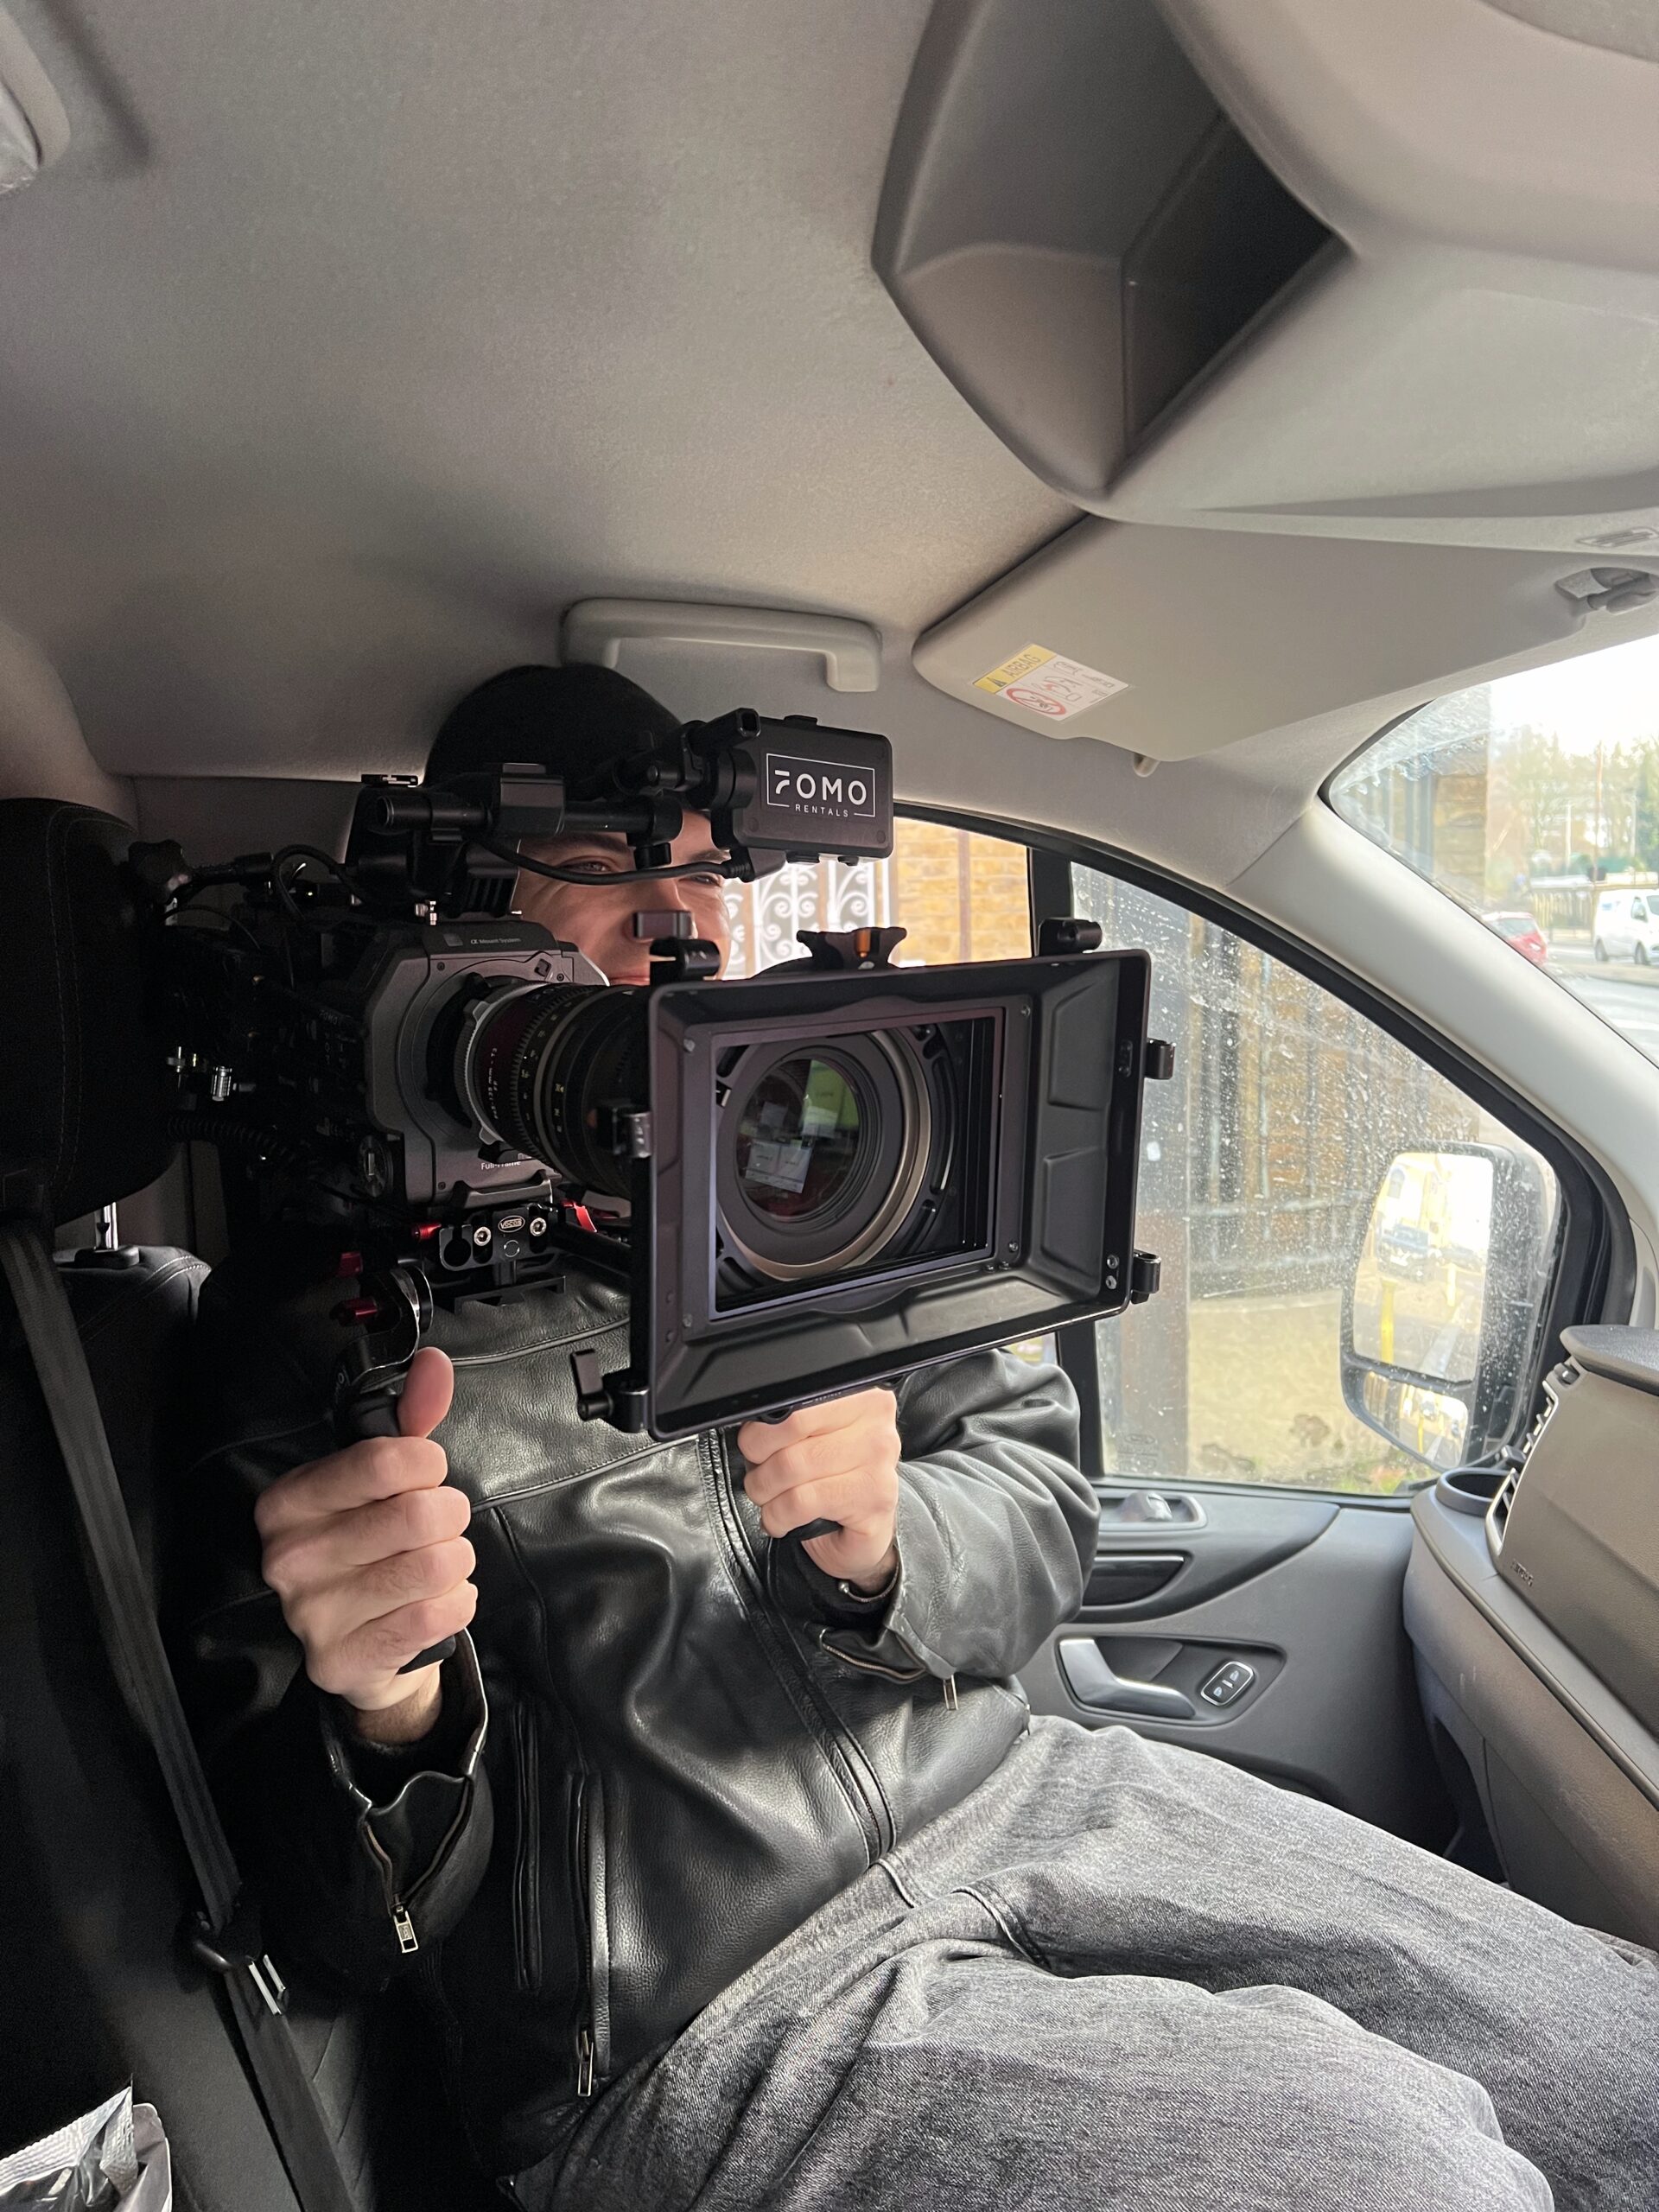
(837, 1461)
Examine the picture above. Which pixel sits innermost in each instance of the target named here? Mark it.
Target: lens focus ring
(538, 1065)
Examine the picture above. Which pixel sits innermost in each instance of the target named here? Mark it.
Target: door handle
(1091, 1680)
(1125, 1578)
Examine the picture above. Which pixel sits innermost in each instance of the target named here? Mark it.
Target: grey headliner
(1622, 26)
(349, 342)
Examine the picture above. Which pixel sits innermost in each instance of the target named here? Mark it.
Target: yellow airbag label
(1046, 683)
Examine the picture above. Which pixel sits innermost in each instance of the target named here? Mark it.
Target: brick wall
(959, 896)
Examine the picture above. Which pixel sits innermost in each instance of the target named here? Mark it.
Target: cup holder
(1471, 1489)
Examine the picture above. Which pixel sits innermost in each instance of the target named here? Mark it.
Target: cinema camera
(807, 1185)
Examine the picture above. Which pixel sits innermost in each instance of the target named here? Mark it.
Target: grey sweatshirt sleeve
(995, 1530)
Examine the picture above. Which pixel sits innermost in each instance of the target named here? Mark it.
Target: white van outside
(1627, 926)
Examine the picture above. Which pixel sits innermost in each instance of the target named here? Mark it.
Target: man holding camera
(730, 1865)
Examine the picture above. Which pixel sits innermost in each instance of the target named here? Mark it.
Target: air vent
(1498, 1516)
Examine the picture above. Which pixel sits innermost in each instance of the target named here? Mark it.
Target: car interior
(1215, 446)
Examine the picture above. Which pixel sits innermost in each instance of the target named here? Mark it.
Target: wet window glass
(1534, 801)
(1323, 1204)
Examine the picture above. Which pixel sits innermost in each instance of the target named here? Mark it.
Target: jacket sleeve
(997, 1524)
(360, 1857)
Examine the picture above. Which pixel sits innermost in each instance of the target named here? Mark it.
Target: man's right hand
(366, 1551)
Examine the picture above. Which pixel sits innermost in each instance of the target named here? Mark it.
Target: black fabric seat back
(96, 1988)
(93, 1881)
(83, 1090)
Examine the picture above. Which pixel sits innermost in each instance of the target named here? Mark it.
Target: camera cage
(1061, 1049)
(773, 790)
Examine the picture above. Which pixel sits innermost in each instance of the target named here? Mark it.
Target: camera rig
(804, 1188)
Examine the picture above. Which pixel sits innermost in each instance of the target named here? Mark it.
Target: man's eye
(712, 881)
(595, 867)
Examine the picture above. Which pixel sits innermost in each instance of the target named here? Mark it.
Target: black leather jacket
(668, 1739)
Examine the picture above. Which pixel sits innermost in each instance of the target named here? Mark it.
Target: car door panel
(1220, 1537)
(1565, 1775)
(1306, 1593)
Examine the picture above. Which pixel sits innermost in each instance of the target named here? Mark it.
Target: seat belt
(226, 1939)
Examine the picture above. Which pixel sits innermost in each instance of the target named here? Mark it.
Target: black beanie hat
(571, 720)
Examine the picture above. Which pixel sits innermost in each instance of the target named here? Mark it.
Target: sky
(1611, 697)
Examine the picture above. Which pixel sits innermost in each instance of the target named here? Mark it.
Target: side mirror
(1439, 1320)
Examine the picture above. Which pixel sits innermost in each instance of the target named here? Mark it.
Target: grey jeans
(1123, 1975)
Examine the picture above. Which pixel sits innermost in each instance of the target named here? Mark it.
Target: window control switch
(1228, 1684)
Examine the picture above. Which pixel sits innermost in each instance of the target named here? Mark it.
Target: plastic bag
(112, 2159)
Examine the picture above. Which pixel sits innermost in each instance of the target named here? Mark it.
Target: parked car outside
(1522, 931)
(1626, 926)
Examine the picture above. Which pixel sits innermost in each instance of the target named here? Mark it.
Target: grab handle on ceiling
(595, 630)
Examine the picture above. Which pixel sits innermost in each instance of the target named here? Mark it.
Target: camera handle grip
(374, 1412)
(808, 1529)
(389, 1318)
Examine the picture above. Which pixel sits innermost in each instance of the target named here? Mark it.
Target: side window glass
(1308, 1183)
(1534, 801)
(956, 893)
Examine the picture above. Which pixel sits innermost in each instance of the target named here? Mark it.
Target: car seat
(96, 1987)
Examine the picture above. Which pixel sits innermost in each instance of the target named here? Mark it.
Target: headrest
(83, 1095)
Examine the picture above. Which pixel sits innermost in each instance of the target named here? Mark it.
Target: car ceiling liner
(1179, 259)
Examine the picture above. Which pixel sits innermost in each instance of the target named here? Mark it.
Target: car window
(1300, 1158)
(1530, 793)
(958, 894)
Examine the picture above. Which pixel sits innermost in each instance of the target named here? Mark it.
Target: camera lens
(535, 1065)
(802, 1139)
(823, 1149)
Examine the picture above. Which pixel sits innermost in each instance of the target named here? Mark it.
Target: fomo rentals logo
(803, 785)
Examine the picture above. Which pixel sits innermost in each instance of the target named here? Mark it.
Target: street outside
(1263, 1392)
(1625, 997)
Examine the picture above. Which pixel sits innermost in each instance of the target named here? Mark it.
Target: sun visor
(1174, 642)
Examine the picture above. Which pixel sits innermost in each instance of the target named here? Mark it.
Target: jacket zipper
(947, 1682)
(586, 2040)
(527, 1894)
(872, 1817)
(408, 1942)
(397, 1911)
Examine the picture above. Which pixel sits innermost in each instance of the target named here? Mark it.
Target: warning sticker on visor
(1048, 683)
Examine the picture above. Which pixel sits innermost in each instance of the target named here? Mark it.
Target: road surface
(1625, 997)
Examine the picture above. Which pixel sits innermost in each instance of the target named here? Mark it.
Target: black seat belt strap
(139, 1659)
